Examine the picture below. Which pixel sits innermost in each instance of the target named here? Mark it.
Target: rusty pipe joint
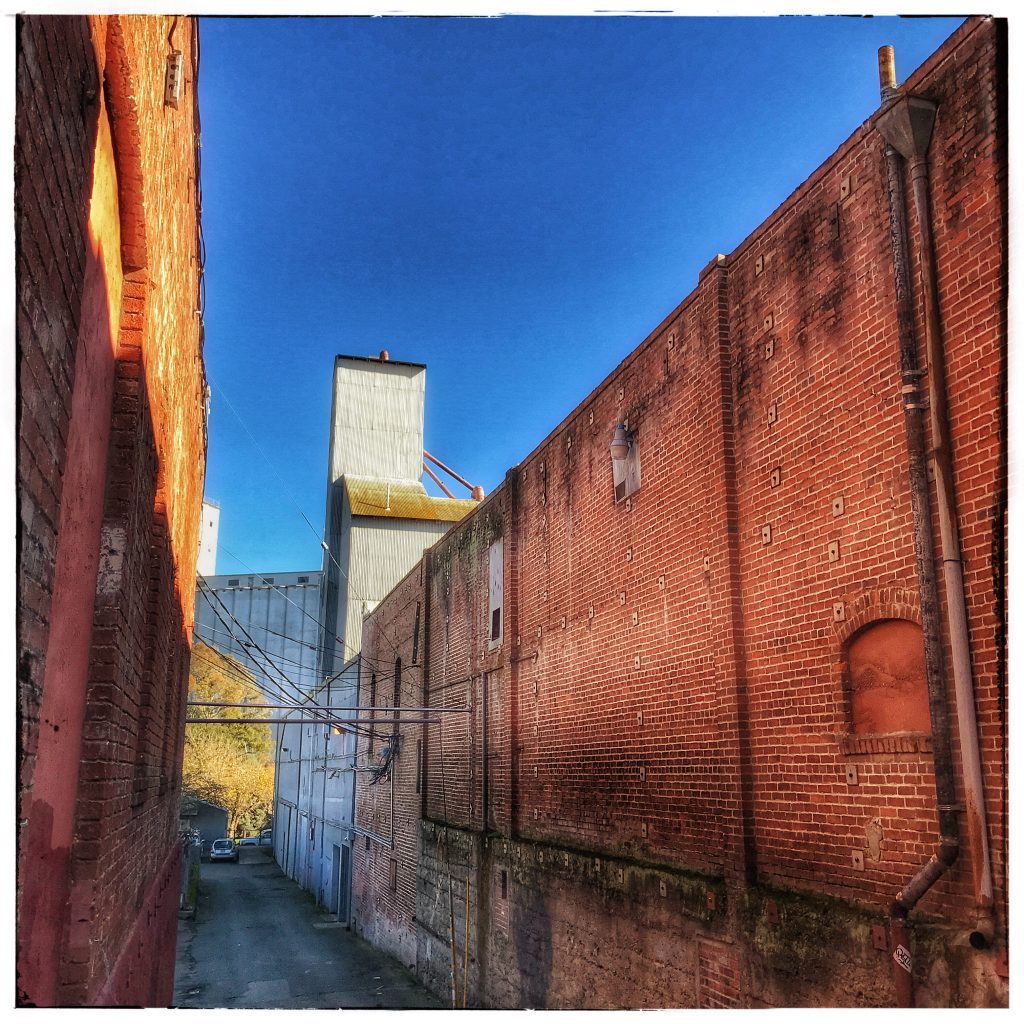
(939, 863)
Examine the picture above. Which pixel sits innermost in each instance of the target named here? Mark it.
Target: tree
(230, 765)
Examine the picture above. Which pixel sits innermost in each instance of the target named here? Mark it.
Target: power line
(291, 704)
(319, 536)
(233, 673)
(297, 690)
(284, 636)
(280, 657)
(274, 586)
(304, 699)
(320, 647)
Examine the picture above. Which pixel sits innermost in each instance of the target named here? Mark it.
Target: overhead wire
(323, 543)
(266, 691)
(280, 590)
(280, 657)
(266, 686)
(285, 636)
(233, 673)
(320, 647)
(302, 703)
(302, 697)
(245, 678)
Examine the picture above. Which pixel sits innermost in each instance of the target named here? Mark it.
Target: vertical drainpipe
(298, 811)
(323, 798)
(952, 562)
(909, 121)
(913, 147)
(511, 634)
(485, 795)
(354, 776)
(428, 563)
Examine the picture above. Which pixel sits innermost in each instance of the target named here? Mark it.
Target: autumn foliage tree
(229, 765)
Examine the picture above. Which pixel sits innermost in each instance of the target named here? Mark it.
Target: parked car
(223, 849)
(267, 837)
(248, 841)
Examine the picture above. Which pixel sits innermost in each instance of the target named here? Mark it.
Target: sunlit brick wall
(98, 887)
(693, 773)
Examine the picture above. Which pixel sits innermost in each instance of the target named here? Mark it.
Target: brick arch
(875, 604)
(122, 104)
(869, 608)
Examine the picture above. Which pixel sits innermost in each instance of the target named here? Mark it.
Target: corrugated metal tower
(379, 519)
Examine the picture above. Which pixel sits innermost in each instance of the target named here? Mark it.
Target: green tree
(230, 765)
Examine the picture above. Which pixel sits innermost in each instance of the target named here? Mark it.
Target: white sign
(902, 956)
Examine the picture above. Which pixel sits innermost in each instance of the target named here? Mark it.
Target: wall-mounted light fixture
(625, 455)
(621, 441)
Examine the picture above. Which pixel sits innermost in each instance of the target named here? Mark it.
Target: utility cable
(298, 641)
(211, 631)
(281, 591)
(297, 690)
(322, 648)
(234, 674)
(319, 536)
(303, 699)
(267, 688)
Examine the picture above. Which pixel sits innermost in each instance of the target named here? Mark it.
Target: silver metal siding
(284, 627)
(377, 428)
(382, 552)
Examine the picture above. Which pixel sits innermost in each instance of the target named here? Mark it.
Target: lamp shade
(620, 443)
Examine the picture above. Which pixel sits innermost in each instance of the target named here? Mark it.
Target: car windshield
(222, 844)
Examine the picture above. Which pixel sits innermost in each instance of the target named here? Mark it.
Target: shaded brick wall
(690, 807)
(52, 206)
(384, 874)
(98, 853)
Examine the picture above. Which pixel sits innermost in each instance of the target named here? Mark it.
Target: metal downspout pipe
(952, 564)
(913, 407)
(906, 126)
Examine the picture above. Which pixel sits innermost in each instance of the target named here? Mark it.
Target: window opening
(496, 592)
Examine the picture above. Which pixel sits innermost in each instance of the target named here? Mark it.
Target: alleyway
(258, 942)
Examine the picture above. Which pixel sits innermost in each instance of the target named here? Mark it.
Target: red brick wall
(383, 913)
(51, 244)
(101, 832)
(673, 692)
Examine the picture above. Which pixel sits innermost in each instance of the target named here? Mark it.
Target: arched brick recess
(868, 607)
(871, 605)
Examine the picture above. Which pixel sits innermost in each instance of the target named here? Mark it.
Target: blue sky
(516, 202)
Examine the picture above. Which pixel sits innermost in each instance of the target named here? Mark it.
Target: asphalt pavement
(258, 941)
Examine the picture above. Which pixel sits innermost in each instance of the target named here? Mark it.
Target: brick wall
(111, 460)
(384, 871)
(708, 772)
